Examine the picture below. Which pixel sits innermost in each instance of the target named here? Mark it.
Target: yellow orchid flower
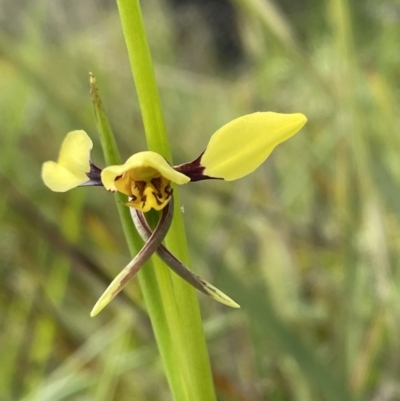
(233, 152)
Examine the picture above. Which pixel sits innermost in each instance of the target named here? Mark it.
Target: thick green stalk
(189, 375)
(147, 277)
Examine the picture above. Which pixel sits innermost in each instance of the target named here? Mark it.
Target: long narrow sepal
(178, 267)
(242, 145)
(151, 245)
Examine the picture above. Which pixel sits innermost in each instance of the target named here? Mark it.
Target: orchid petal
(59, 179)
(243, 144)
(73, 163)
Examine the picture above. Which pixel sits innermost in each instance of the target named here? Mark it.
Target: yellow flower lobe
(242, 145)
(72, 165)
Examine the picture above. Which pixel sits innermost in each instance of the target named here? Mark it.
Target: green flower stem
(190, 375)
(147, 276)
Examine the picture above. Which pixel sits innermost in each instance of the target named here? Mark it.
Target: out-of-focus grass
(309, 244)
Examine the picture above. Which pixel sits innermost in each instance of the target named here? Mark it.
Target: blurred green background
(308, 245)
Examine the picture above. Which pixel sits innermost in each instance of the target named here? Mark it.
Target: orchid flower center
(146, 188)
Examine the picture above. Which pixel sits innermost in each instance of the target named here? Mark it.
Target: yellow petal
(72, 165)
(75, 152)
(240, 146)
(60, 179)
(141, 161)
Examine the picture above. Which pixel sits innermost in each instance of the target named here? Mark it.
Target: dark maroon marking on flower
(159, 202)
(158, 195)
(156, 182)
(157, 185)
(140, 185)
(194, 170)
(168, 192)
(144, 200)
(94, 176)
